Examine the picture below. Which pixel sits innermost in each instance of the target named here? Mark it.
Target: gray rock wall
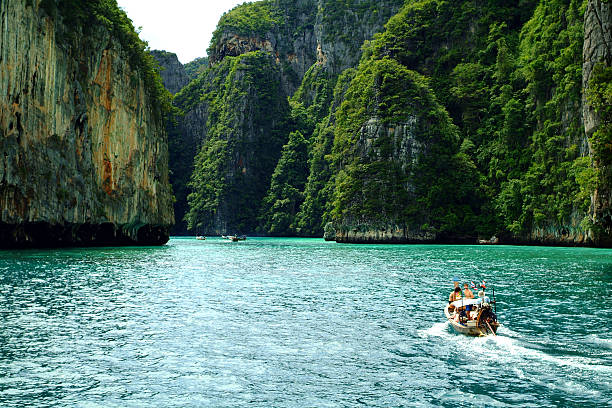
(598, 50)
(173, 73)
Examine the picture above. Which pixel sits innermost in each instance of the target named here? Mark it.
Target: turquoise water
(300, 323)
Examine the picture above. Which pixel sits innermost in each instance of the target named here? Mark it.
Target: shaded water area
(301, 323)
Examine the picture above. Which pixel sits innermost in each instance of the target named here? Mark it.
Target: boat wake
(515, 349)
(598, 341)
(437, 330)
(511, 347)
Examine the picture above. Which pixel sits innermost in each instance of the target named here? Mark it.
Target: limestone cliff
(310, 42)
(597, 56)
(84, 158)
(400, 177)
(458, 122)
(516, 96)
(172, 71)
(301, 33)
(194, 68)
(283, 29)
(246, 128)
(184, 132)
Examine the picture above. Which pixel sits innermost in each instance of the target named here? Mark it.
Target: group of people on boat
(468, 308)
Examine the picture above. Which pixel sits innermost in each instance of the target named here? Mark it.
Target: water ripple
(293, 323)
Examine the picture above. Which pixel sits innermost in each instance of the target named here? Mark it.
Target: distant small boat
(481, 321)
(201, 238)
(493, 241)
(234, 238)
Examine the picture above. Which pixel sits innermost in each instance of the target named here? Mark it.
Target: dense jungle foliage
(513, 86)
(404, 167)
(286, 193)
(462, 119)
(318, 191)
(194, 68)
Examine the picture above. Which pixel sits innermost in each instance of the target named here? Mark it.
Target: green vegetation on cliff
(547, 105)
(461, 119)
(600, 97)
(232, 171)
(247, 19)
(513, 88)
(397, 155)
(319, 186)
(286, 189)
(194, 68)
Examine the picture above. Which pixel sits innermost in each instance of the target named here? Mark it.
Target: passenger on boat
(455, 295)
(467, 293)
(484, 297)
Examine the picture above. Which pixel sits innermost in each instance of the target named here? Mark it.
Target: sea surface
(301, 323)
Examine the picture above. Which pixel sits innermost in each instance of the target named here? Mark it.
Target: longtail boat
(480, 321)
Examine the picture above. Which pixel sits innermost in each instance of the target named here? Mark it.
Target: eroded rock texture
(173, 72)
(83, 152)
(598, 51)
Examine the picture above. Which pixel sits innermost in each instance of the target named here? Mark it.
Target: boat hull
(471, 329)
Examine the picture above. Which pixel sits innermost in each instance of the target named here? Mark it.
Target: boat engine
(486, 315)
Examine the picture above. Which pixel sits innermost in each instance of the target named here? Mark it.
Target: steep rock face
(186, 135)
(318, 188)
(597, 48)
(300, 33)
(597, 54)
(341, 29)
(83, 150)
(281, 28)
(517, 165)
(398, 167)
(173, 73)
(310, 41)
(555, 217)
(378, 144)
(518, 109)
(247, 114)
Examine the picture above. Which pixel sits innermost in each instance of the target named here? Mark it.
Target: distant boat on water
(234, 238)
(201, 237)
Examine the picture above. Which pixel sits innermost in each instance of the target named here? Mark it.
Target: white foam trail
(508, 347)
(504, 331)
(500, 347)
(594, 339)
(569, 387)
(437, 330)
